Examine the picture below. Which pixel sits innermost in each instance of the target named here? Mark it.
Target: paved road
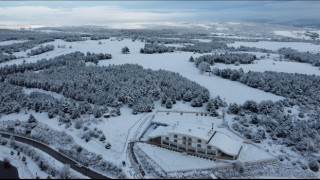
(55, 154)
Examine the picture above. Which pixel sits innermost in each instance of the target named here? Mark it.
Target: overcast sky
(105, 12)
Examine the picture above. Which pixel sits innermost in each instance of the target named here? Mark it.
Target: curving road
(58, 156)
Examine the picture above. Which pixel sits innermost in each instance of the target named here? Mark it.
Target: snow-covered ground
(224, 35)
(175, 62)
(3, 43)
(53, 94)
(203, 40)
(294, 34)
(178, 62)
(272, 65)
(272, 45)
(25, 171)
(107, 46)
(115, 129)
(175, 45)
(171, 161)
(120, 130)
(31, 170)
(250, 153)
(175, 161)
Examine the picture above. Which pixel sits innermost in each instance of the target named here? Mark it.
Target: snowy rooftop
(220, 140)
(159, 131)
(190, 129)
(171, 118)
(226, 144)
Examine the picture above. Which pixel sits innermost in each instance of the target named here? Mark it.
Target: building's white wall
(194, 142)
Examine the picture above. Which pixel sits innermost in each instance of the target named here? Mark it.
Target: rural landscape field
(214, 99)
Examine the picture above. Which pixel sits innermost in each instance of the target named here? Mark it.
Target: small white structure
(196, 138)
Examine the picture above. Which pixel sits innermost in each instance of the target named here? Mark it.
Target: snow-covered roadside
(25, 171)
(29, 169)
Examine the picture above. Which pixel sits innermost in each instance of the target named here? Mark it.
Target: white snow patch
(30, 170)
(272, 45)
(178, 62)
(28, 91)
(294, 34)
(203, 40)
(175, 45)
(107, 46)
(221, 28)
(3, 43)
(175, 161)
(25, 171)
(250, 153)
(271, 65)
(175, 62)
(172, 118)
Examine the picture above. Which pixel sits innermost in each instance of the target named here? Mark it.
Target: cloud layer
(102, 13)
(82, 15)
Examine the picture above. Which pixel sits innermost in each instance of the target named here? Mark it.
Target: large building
(197, 139)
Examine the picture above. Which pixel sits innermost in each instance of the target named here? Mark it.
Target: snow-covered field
(272, 65)
(224, 35)
(178, 62)
(175, 45)
(107, 46)
(3, 43)
(175, 62)
(120, 130)
(203, 40)
(294, 34)
(272, 45)
(53, 94)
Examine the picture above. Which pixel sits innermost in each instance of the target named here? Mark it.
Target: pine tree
(204, 67)
(169, 103)
(233, 109)
(191, 59)
(125, 50)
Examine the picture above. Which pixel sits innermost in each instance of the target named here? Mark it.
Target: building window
(209, 147)
(175, 136)
(184, 138)
(167, 138)
(189, 139)
(199, 145)
(183, 142)
(199, 140)
(175, 141)
(189, 143)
